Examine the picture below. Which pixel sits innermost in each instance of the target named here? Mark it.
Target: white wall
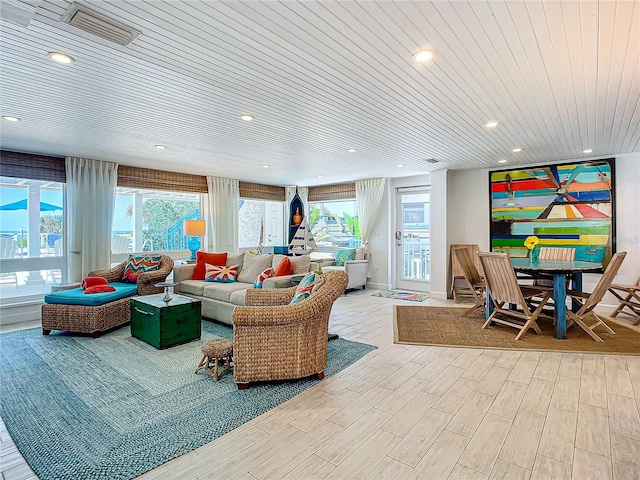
(469, 214)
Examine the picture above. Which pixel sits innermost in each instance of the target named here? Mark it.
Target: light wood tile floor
(411, 412)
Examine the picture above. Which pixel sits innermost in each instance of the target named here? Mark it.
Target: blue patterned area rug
(115, 407)
(401, 295)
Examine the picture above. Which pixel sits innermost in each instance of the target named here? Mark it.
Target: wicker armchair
(273, 340)
(145, 282)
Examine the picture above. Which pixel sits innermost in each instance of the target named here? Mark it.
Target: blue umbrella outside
(22, 205)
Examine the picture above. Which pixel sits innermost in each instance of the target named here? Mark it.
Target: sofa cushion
(76, 296)
(283, 267)
(236, 259)
(223, 291)
(238, 297)
(253, 266)
(193, 287)
(139, 264)
(344, 255)
(359, 253)
(222, 273)
(202, 258)
(300, 265)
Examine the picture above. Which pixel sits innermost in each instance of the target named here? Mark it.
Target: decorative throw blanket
(99, 289)
(93, 281)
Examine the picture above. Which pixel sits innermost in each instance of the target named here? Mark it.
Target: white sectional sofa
(219, 299)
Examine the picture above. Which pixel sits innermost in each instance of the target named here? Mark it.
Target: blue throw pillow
(344, 255)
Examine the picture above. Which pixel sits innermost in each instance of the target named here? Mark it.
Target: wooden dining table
(558, 270)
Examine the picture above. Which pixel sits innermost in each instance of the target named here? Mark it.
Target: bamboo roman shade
(136, 177)
(261, 192)
(323, 193)
(34, 167)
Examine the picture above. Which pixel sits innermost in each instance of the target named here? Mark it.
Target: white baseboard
(438, 295)
(378, 286)
(19, 313)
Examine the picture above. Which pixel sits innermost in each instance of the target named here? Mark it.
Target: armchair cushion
(139, 264)
(76, 296)
(344, 255)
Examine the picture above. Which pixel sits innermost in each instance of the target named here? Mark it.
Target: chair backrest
(456, 268)
(557, 253)
(8, 247)
(501, 278)
(604, 283)
(468, 265)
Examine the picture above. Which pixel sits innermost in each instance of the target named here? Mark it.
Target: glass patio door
(412, 239)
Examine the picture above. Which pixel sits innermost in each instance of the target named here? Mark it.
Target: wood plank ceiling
(324, 77)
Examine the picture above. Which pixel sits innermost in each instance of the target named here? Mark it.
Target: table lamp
(194, 229)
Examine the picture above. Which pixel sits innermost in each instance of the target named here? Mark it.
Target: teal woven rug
(115, 407)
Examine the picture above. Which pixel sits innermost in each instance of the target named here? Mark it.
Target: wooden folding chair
(631, 301)
(553, 253)
(589, 301)
(459, 288)
(503, 287)
(472, 277)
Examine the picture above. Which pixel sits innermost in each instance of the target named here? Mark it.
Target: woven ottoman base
(84, 319)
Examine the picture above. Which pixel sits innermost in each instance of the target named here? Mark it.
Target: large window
(152, 220)
(335, 223)
(31, 236)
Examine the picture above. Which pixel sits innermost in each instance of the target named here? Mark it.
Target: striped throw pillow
(139, 264)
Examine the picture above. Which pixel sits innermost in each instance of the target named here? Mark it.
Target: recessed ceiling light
(246, 118)
(10, 118)
(588, 150)
(265, 166)
(491, 124)
(400, 165)
(502, 161)
(352, 150)
(61, 57)
(160, 147)
(516, 150)
(423, 56)
(320, 176)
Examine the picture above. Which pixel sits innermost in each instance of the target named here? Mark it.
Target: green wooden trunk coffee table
(165, 324)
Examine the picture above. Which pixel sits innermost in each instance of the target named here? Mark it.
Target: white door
(412, 240)
(273, 223)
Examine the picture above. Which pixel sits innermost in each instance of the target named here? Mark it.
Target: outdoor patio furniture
(476, 284)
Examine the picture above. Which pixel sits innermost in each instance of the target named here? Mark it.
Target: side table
(165, 324)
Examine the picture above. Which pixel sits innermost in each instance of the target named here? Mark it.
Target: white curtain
(369, 195)
(90, 202)
(222, 221)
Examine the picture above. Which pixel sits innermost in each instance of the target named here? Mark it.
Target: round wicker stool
(215, 352)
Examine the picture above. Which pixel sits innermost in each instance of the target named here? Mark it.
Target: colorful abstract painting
(568, 205)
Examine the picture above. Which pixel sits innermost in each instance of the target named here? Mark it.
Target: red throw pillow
(283, 268)
(99, 289)
(202, 258)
